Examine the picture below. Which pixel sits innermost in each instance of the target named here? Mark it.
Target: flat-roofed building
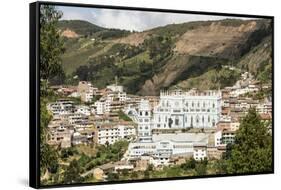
(113, 132)
(61, 107)
(164, 146)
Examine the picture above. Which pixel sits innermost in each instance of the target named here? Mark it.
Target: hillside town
(161, 130)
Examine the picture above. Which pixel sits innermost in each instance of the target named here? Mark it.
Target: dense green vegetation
(252, 151)
(48, 154)
(87, 29)
(258, 61)
(51, 44)
(132, 65)
(212, 79)
(51, 47)
(80, 27)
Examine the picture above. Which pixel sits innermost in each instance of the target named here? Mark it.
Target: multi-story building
(164, 146)
(74, 118)
(99, 107)
(115, 88)
(110, 133)
(199, 151)
(264, 108)
(144, 119)
(86, 91)
(111, 102)
(224, 137)
(86, 96)
(83, 110)
(60, 135)
(61, 107)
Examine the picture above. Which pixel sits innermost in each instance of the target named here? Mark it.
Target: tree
(49, 156)
(72, 173)
(252, 151)
(201, 167)
(112, 177)
(189, 164)
(134, 175)
(51, 44)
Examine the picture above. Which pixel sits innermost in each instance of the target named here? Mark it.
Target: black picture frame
(34, 90)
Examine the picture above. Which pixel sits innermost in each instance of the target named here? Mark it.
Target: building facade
(165, 146)
(179, 110)
(107, 133)
(191, 109)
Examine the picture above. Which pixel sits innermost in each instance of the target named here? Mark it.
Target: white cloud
(131, 20)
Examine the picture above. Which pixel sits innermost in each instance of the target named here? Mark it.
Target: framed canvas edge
(34, 93)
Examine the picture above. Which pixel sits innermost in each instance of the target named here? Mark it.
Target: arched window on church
(192, 104)
(213, 123)
(213, 105)
(177, 120)
(202, 119)
(197, 119)
(208, 119)
(198, 104)
(204, 104)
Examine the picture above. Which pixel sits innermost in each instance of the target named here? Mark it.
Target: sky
(130, 20)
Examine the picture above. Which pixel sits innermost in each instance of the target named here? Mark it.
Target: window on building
(192, 104)
(177, 120)
(170, 122)
(146, 113)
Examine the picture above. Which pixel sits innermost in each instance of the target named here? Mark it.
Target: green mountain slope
(79, 26)
(177, 55)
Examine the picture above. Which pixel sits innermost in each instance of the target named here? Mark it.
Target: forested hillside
(178, 55)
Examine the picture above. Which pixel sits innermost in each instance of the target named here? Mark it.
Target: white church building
(179, 110)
